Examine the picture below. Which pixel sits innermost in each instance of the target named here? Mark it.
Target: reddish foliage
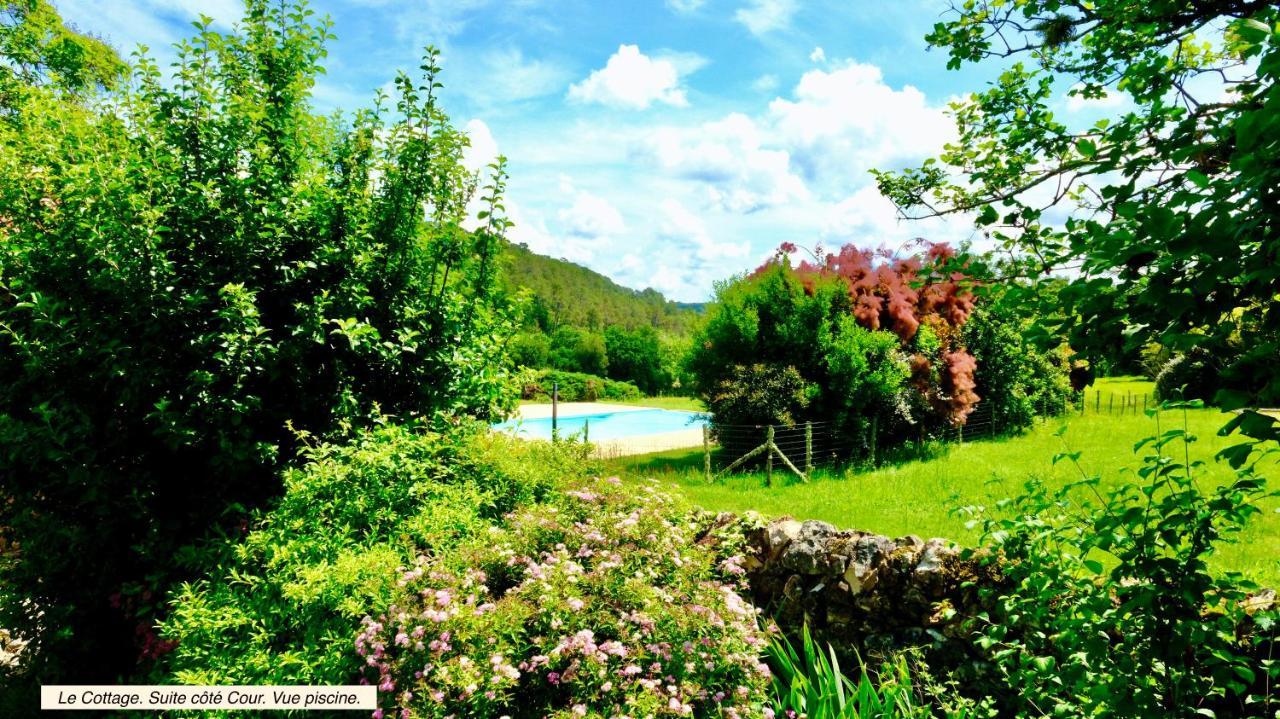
(899, 294)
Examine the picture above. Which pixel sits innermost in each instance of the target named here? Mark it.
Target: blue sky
(666, 144)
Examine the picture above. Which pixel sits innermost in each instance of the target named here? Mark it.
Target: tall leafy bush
(194, 267)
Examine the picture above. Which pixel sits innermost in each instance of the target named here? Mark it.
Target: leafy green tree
(579, 350)
(637, 356)
(1171, 230)
(195, 272)
(530, 349)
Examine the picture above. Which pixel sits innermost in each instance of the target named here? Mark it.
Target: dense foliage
(598, 603)
(289, 593)
(1015, 379)
(1171, 221)
(193, 268)
(1110, 609)
(574, 387)
(873, 343)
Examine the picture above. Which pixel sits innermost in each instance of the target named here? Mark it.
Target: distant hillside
(569, 294)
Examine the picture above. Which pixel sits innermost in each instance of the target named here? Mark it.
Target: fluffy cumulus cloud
(483, 149)
(684, 258)
(844, 121)
(816, 145)
(633, 80)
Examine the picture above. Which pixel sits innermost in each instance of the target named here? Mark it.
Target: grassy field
(916, 497)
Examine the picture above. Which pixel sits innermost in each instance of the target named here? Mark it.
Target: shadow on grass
(687, 464)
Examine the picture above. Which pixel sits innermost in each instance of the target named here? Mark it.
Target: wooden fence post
(768, 457)
(586, 430)
(1111, 403)
(808, 447)
(706, 452)
(875, 427)
(1097, 401)
(555, 400)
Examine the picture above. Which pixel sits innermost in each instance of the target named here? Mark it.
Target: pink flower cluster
(599, 601)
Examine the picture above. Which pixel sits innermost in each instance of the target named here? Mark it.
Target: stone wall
(857, 587)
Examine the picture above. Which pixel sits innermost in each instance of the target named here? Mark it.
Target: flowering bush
(598, 603)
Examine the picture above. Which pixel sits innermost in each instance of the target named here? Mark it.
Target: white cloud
(818, 55)
(632, 80)
(531, 230)
(483, 149)
(729, 156)
(682, 226)
(842, 122)
(507, 75)
(592, 216)
(765, 83)
(763, 16)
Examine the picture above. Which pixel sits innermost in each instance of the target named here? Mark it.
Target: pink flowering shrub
(597, 603)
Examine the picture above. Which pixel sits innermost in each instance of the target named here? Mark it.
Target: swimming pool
(608, 425)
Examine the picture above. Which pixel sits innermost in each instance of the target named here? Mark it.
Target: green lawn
(915, 497)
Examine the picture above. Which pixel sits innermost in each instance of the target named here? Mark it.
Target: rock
(777, 536)
(933, 555)
(808, 552)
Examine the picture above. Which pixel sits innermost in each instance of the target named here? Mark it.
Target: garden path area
(919, 496)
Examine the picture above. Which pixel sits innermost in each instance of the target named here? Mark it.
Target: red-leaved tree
(899, 294)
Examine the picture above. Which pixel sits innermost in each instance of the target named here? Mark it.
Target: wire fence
(812, 445)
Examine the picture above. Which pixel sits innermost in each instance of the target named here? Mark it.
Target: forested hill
(569, 294)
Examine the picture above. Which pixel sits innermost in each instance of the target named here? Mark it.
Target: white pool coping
(542, 410)
(618, 446)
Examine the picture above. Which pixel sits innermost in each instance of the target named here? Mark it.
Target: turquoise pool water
(608, 425)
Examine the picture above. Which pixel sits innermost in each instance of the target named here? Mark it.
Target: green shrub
(760, 394)
(1109, 609)
(576, 387)
(188, 264)
(1194, 374)
(1016, 380)
(876, 343)
(529, 349)
(599, 603)
(578, 350)
(288, 595)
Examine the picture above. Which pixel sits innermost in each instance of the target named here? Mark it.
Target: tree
(197, 273)
(637, 356)
(1172, 232)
